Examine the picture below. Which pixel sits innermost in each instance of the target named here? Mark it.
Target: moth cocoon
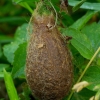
(48, 64)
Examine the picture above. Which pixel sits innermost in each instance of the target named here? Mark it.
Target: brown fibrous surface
(48, 64)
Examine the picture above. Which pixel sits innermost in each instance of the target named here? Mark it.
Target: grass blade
(77, 6)
(10, 86)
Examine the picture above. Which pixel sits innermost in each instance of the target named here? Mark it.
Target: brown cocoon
(48, 63)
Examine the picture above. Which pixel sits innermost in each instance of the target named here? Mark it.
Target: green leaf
(76, 7)
(98, 61)
(19, 61)
(93, 33)
(20, 37)
(9, 51)
(21, 34)
(86, 41)
(66, 19)
(92, 76)
(80, 42)
(85, 94)
(26, 5)
(10, 86)
(80, 23)
(2, 66)
(86, 5)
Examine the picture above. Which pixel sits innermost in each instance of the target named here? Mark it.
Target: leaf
(86, 5)
(21, 34)
(9, 51)
(26, 5)
(93, 33)
(85, 94)
(92, 76)
(2, 66)
(87, 40)
(19, 61)
(98, 61)
(10, 86)
(76, 7)
(66, 19)
(80, 23)
(80, 42)
(20, 37)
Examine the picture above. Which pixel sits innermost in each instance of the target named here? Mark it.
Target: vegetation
(81, 22)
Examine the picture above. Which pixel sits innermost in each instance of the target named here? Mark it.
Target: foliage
(10, 86)
(82, 25)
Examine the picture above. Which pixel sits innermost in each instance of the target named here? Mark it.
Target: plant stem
(95, 54)
(88, 64)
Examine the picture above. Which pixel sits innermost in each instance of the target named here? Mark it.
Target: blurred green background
(11, 16)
